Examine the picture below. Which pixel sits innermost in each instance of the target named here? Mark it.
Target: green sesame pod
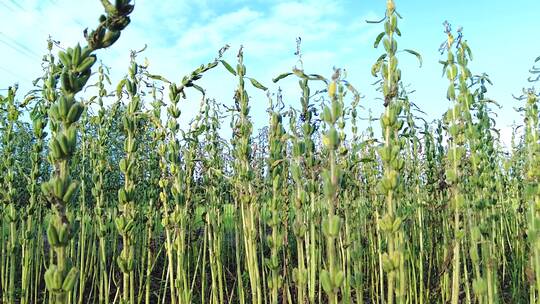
(337, 110)
(12, 213)
(57, 280)
(55, 148)
(130, 265)
(324, 227)
(63, 107)
(164, 221)
(334, 225)
(392, 117)
(129, 225)
(384, 153)
(134, 68)
(401, 164)
(386, 44)
(129, 86)
(331, 139)
(241, 69)
(386, 223)
(53, 112)
(473, 253)
(75, 112)
(134, 92)
(302, 275)
(70, 280)
(64, 235)
(120, 223)
(86, 64)
(479, 286)
(70, 191)
(394, 257)
(393, 178)
(327, 115)
(393, 62)
(121, 264)
(71, 136)
(125, 123)
(451, 93)
(123, 165)
(49, 276)
(76, 55)
(52, 235)
(326, 282)
(45, 188)
(58, 187)
(385, 121)
(400, 124)
(338, 278)
(73, 82)
(475, 233)
(86, 51)
(387, 263)
(64, 145)
(397, 224)
(110, 38)
(271, 284)
(64, 78)
(65, 58)
(82, 80)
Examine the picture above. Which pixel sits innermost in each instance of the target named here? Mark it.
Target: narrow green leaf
(378, 21)
(199, 88)
(281, 77)
(469, 52)
(120, 87)
(158, 77)
(317, 77)
(415, 54)
(256, 84)
(378, 40)
(228, 67)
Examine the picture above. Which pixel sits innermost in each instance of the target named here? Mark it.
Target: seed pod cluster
(64, 113)
(127, 195)
(460, 130)
(277, 208)
(332, 275)
(390, 154)
(532, 178)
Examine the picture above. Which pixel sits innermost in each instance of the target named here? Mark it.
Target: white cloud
(183, 34)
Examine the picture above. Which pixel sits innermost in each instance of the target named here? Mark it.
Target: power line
(7, 6)
(17, 49)
(16, 75)
(23, 9)
(16, 4)
(22, 46)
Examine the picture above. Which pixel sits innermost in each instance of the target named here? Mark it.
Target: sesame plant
(99, 164)
(77, 62)
(9, 254)
(531, 191)
(392, 161)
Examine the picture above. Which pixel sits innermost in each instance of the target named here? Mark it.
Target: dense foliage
(106, 199)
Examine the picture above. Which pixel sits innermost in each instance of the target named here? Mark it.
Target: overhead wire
(15, 45)
(18, 46)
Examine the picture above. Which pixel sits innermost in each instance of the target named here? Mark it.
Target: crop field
(106, 197)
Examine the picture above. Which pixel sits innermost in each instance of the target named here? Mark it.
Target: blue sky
(183, 34)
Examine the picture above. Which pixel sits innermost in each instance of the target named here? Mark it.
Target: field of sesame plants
(106, 199)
